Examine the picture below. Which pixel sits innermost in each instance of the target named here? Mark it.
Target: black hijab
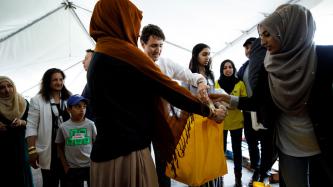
(228, 83)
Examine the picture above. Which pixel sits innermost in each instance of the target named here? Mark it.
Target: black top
(14, 155)
(86, 94)
(320, 101)
(123, 100)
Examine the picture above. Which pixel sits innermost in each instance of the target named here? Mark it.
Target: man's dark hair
(90, 51)
(249, 41)
(45, 88)
(151, 30)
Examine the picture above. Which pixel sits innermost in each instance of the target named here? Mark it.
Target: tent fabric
(37, 35)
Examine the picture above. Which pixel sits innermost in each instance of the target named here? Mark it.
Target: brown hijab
(291, 71)
(115, 26)
(13, 106)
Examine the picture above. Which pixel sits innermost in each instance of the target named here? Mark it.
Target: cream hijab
(291, 71)
(13, 106)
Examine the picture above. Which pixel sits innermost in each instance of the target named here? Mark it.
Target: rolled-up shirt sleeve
(180, 73)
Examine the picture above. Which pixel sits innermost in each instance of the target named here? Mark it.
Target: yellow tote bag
(204, 158)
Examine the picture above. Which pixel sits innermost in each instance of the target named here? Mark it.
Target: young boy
(74, 139)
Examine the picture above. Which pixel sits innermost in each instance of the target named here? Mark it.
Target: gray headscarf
(291, 70)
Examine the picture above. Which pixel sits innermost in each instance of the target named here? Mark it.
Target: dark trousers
(52, 177)
(160, 163)
(252, 139)
(305, 171)
(261, 159)
(268, 152)
(75, 177)
(236, 143)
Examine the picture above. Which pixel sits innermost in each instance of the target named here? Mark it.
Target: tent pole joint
(68, 5)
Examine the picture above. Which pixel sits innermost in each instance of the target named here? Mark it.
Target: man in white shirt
(152, 39)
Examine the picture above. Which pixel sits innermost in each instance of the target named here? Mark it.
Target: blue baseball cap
(75, 99)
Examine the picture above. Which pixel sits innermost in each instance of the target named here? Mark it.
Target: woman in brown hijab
(14, 154)
(129, 98)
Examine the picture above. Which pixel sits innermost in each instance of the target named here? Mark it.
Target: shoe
(263, 178)
(238, 182)
(255, 177)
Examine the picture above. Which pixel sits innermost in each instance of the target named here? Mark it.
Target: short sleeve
(60, 136)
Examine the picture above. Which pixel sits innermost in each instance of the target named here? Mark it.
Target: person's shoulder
(165, 60)
(325, 54)
(324, 49)
(88, 121)
(240, 83)
(66, 123)
(244, 64)
(324, 46)
(37, 99)
(104, 57)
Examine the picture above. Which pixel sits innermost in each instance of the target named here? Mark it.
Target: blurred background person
(234, 122)
(86, 91)
(46, 112)
(15, 169)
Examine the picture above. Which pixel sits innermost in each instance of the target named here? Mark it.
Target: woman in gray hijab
(300, 78)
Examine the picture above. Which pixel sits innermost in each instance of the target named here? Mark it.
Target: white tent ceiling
(36, 35)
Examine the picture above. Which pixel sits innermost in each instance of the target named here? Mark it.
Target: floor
(228, 178)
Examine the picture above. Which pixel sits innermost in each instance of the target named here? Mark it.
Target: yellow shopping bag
(203, 159)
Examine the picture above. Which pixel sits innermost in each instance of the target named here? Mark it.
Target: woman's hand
(218, 114)
(18, 122)
(220, 97)
(34, 159)
(2, 127)
(202, 93)
(66, 168)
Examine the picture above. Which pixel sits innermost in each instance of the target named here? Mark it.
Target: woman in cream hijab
(300, 82)
(14, 156)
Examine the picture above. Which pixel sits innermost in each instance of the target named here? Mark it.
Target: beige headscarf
(13, 106)
(291, 71)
